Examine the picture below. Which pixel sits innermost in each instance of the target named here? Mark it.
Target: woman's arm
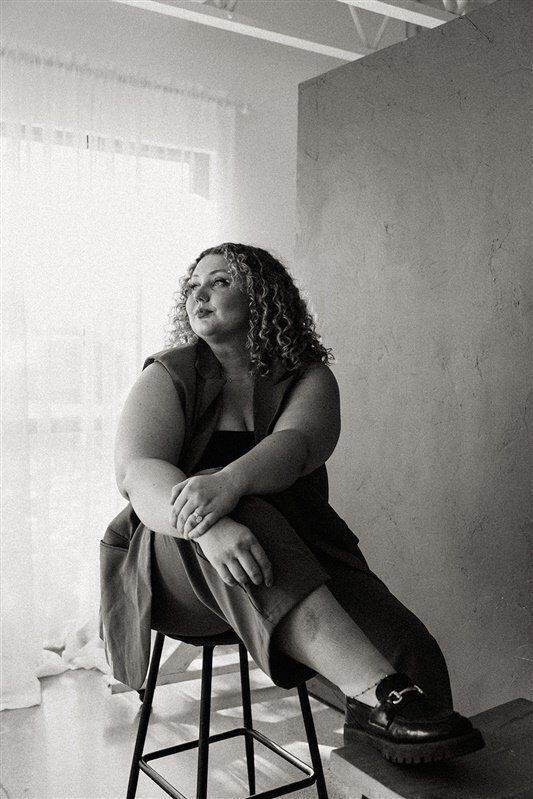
(149, 441)
(148, 444)
(303, 438)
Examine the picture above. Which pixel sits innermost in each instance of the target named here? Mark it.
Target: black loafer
(406, 728)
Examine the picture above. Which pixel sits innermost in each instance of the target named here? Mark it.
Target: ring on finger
(196, 517)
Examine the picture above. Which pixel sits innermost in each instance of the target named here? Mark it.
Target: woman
(220, 451)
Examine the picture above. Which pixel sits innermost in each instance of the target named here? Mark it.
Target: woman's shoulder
(280, 372)
(174, 357)
(315, 380)
(317, 370)
(179, 363)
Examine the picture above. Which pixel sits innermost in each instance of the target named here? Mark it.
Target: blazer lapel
(269, 394)
(209, 383)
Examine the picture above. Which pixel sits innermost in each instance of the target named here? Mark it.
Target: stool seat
(226, 638)
(141, 760)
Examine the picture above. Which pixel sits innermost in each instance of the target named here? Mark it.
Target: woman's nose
(200, 294)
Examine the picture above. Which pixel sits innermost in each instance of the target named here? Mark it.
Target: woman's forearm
(272, 465)
(147, 484)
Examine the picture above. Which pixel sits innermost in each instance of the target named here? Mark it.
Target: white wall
(261, 74)
(415, 202)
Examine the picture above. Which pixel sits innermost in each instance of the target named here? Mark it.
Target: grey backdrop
(414, 181)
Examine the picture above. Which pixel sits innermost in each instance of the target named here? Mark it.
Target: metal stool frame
(140, 761)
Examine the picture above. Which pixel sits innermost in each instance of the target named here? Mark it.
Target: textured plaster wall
(414, 182)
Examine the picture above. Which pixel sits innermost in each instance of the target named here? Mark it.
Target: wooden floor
(78, 743)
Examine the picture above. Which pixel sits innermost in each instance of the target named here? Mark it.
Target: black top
(225, 446)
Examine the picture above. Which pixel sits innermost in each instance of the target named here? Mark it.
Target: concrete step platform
(502, 770)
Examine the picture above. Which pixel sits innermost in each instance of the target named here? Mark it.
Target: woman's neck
(233, 359)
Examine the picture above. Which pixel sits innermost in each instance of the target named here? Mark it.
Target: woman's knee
(270, 528)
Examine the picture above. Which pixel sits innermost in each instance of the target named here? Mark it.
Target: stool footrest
(161, 781)
(312, 775)
(309, 779)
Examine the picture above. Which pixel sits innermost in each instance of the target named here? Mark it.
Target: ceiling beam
(358, 25)
(236, 23)
(406, 10)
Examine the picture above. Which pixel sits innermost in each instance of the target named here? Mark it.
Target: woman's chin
(203, 325)
(211, 333)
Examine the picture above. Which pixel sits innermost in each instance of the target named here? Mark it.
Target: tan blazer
(125, 550)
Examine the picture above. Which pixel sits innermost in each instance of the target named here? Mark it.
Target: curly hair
(280, 324)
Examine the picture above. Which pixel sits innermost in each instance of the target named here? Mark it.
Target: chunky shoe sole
(409, 754)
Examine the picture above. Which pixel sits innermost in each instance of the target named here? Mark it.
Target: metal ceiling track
(409, 11)
(236, 23)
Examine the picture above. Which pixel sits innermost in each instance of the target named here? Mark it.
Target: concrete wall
(414, 181)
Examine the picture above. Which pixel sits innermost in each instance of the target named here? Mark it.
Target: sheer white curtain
(112, 183)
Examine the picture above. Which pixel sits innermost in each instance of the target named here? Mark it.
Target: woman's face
(216, 306)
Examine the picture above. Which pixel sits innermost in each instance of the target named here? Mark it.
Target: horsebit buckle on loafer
(399, 694)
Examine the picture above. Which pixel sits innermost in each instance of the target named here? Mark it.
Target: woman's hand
(200, 501)
(234, 551)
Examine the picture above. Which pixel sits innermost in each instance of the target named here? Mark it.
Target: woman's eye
(222, 281)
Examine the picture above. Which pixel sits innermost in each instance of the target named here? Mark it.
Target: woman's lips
(202, 312)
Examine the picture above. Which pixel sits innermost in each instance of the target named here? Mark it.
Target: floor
(77, 744)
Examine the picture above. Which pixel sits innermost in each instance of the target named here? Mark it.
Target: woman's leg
(321, 634)
(353, 633)
(399, 636)
(384, 707)
(176, 609)
(394, 630)
(298, 624)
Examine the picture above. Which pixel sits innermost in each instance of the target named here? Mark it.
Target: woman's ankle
(366, 694)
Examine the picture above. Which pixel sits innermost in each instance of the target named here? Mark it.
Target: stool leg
(247, 715)
(205, 712)
(146, 709)
(312, 741)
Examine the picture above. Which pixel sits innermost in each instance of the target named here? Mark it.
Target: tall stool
(140, 762)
